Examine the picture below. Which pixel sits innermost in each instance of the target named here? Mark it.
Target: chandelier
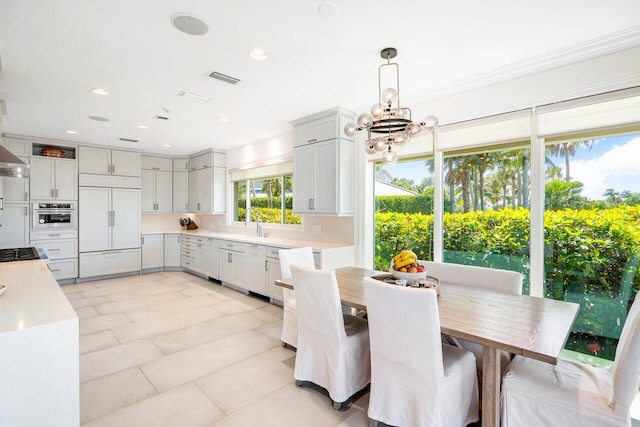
(389, 124)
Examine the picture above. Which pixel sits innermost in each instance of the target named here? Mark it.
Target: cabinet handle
(143, 240)
(229, 258)
(111, 252)
(113, 216)
(230, 246)
(54, 235)
(266, 265)
(314, 204)
(155, 169)
(54, 271)
(54, 250)
(113, 168)
(57, 193)
(2, 203)
(186, 207)
(198, 205)
(26, 196)
(26, 211)
(53, 193)
(312, 140)
(109, 168)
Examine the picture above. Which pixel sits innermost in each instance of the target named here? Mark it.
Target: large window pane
(592, 235)
(404, 210)
(269, 200)
(486, 203)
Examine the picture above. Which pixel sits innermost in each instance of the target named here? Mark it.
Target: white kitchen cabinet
(156, 191)
(152, 251)
(14, 226)
(232, 263)
(180, 202)
(53, 179)
(323, 178)
(61, 247)
(63, 269)
(106, 263)
(15, 190)
(172, 250)
(156, 163)
(211, 258)
(273, 273)
(256, 266)
(109, 218)
(180, 164)
(193, 253)
(207, 160)
(207, 190)
(18, 147)
(104, 161)
(323, 164)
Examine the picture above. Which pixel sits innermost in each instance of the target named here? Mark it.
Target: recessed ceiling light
(166, 145)
(328, 9)
(142, 126)
(71, 132)
(223, 119)
(100, 91)
(189, 24)
(258, 54)
(194, 97)
(99, 118)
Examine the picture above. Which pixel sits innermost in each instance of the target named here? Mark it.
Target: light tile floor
(171, 349)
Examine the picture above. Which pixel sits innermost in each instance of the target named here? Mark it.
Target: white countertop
(32, 297)
(267, 241)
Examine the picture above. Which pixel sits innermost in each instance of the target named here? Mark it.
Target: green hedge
(272, 215)
(406, 204)
(263, 202)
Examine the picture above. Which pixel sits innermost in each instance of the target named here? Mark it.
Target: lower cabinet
(211, 258)
(64, 268)
(172, 250)
(152, 251)
(61, 248)
(109, 262)
(256, 266)
(273, 273)
(14, 222)
(192, 251)
(232, 263)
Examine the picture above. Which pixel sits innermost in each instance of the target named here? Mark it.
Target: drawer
(58, 249)
(312, 133)
(57, 234)
(157, 163)
(180, 164)
(109, 262)
(64, 269)
(232, 246)
(273, 252)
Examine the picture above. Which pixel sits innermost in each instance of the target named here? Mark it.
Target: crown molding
(611, 43)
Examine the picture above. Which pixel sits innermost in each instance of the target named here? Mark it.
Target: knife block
(192, 226)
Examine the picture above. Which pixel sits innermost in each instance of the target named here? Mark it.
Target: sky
(610, 163)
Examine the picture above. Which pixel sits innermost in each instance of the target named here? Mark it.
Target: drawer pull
(54, 250)
(54, 271)
(312, 140)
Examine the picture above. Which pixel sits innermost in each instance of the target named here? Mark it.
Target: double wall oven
(54, 215)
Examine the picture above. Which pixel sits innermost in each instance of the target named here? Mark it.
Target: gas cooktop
(18, 254)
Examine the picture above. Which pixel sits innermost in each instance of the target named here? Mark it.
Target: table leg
(490, 387)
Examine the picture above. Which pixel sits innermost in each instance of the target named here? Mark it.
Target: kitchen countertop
(267, 241)
(32, 297)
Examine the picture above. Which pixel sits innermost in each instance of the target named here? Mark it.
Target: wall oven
(54, 215)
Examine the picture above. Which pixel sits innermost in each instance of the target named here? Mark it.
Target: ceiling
(52, 52)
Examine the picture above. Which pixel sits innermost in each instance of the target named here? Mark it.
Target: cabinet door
(172, 250)
(42, 177)
(15, 190)
(211, 258)
(66, 179)
(94, 160)
(194, 191)
(181, 192)
(274, 273)
(94, 204)
(125, 163)
(152, 251)
(148, 190)
(163, 187)
(238, 265)
(219, 190)
(14, 232)
(256, 263)
(325, 178)
(303, 179)
(225, 271)
(206, 190)
(126, 218)
(180, 165)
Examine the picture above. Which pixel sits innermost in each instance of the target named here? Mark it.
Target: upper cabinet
(156, 184)
(104, 161)
(207, 183)
(53, 172)
(323, 164)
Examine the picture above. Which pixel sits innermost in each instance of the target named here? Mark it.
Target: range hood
(11, 166)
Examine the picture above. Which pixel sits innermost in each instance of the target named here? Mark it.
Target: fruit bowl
(409, 277)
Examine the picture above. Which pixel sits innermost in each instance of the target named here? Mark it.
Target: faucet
(258, 227)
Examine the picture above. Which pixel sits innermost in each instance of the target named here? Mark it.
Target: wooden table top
(533, 327)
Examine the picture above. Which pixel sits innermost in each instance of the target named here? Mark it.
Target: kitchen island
(39, 374)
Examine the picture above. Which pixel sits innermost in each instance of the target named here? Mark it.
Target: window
(486, 205)
(269, 200)
(592, 234)
(403, 210)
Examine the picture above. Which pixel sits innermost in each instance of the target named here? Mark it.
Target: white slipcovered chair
(505, 281)
(416, 380)
(535, 393)
(333, 348)
(288, 257)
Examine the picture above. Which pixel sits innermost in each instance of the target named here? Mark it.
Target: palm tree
(613, 196)
(567, 150)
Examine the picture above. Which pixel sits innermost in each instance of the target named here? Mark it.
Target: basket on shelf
(52, 152)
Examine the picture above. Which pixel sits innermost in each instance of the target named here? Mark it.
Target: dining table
(523, 325)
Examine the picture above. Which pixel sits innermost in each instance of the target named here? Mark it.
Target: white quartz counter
(267, 241)
(32, 296)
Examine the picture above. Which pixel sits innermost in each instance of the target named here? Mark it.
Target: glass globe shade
(380, 144)
(430, 122)
(389, 95)
(413, 129)
(369, 148)
(365, 120)
(350, 129)
(377, 110)
(403, 113)
(401, 138)
(390, 157)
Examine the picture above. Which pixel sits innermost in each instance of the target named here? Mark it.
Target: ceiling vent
(223, 77)
(128, 140)
(159, 117)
